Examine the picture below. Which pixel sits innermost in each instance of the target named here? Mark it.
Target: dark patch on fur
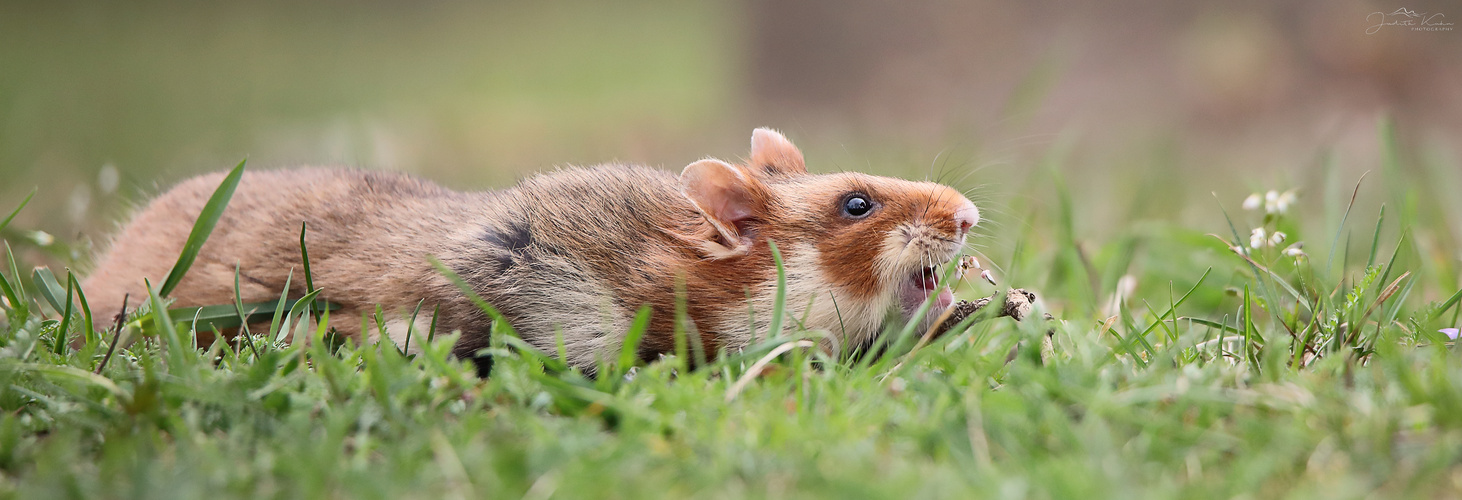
(513, 240)
(484, 365)
(649, 352)
(467, 347)
(503, 261)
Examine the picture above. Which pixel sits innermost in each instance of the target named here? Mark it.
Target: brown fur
(572, 253)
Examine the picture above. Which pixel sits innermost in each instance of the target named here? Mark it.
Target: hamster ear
(728, 198)
(773, 154)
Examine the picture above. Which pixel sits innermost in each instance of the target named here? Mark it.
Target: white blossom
(1256, 238)
(1253, 201)
(108, 178)
(1287, 198)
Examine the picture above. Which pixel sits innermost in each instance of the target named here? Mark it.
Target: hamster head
(856, 247)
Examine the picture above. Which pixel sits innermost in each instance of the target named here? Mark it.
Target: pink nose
(966, 217)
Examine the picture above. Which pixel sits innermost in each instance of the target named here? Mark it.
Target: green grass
(1218, 375)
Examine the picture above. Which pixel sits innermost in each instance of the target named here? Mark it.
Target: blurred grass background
(1138, 112)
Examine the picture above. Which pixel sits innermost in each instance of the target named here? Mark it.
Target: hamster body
(571, 254)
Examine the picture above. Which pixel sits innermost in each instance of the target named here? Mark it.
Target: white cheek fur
(813, 300)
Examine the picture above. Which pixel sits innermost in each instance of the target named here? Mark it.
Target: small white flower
(1256, 237)
(1253, 201)
(78, 203)
(42, 238)
(1277, 238)
(108, 178)
(1295, 250)
(1271, 201)
(1285, 199)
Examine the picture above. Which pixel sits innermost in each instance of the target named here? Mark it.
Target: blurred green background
(1141, 110)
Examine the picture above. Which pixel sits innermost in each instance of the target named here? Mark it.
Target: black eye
(857, 206)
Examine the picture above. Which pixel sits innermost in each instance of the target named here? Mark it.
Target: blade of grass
(411, 325)
(841, 327)
(227, 315)
(1173, 305)
(177, 357)
(63, 331)
(629, 350)
(302, 307)
(680, 333)
(202, 227)
(305, 256)
(1221, 327)
(243, 318)
(381, 333)
(322, 326)
(1158, 322)
(1127, 345)
(1447, 304)
(1335, 242)
(1376, 238)
(1141, 338)
(779, 302)
(20, 308)
(17, 210)
(88, 328)
(1249, 330)
(472, 295)
(274, 332)
(1386, 272)
(50, 289)
(563, 352)
(552, 363)
(14, 271)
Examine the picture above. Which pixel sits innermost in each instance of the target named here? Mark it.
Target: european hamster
(571, 253)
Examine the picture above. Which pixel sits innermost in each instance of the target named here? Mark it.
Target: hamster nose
(965, 217)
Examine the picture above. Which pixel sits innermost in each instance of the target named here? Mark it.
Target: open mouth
(919, 286)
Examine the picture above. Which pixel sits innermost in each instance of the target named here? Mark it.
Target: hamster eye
(857, 206)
